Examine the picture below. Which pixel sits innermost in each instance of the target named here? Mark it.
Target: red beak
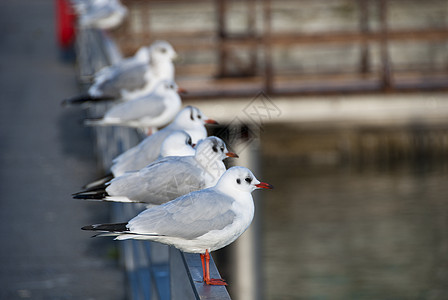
(210, 121)
(264, 185)
(231, 154)
(181, 91)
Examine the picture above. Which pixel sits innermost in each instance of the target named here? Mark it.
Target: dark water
(356, 231)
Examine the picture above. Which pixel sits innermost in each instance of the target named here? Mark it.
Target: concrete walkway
(45, 155)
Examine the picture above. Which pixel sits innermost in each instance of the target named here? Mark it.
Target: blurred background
(341, 105)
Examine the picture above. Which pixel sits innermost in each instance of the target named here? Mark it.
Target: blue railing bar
(142, 269)
(160, 274)
(202, 291)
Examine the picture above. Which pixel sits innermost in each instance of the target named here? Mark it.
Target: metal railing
(153, 271)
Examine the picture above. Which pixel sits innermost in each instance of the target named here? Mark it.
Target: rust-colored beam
(287, 39)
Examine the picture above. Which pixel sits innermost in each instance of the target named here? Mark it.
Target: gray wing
(141, 155)
(159, 182)
(188, 217)
(151, 105)
(128, 77)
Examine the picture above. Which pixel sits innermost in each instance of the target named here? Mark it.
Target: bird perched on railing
(147, 112)
(190, 119)
(198, 222)
(131, 77)
(168, 178)
(100, 14)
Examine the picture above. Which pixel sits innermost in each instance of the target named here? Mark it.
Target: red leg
(203, 265)
(207, 279)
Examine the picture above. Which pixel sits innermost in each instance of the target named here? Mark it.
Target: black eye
(162, 50)
(199, 117)
(222, 149)
(215, 149)
(238, 181)
(248, 179)
(189, 142)
(191, 115)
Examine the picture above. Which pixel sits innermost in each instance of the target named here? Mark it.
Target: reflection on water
(355, 233)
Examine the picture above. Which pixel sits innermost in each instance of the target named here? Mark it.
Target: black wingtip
(113, 227)
(98, 189)
(85, 98)
(90, 195)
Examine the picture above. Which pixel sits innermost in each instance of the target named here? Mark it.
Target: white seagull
(131, 77)
(168, 178)
(147, 112)
(198, 222)
(190, 119)
(177, 143)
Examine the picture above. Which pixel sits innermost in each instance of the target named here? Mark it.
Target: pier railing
(287, 47)
(153, 271)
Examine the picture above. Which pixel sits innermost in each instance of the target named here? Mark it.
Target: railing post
(221, 9)
(386, 80)
(268, 79)
(364, 28)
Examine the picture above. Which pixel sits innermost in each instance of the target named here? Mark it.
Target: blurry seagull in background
(100, 14)
(198, 222)
(147, 112)
(131, 77)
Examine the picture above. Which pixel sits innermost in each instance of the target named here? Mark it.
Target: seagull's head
(241, 179)
(178, 143)
(191, 117)
(162, 50)
(213, 148)
(166, 86)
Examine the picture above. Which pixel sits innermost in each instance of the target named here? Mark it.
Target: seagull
(189, 119)
(168, 178)
(100, 14)
(154, 110)
(131, 77)
(199, 222)
(177, 143)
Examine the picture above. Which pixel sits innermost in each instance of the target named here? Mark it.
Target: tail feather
(100, 194)
(84, 99)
